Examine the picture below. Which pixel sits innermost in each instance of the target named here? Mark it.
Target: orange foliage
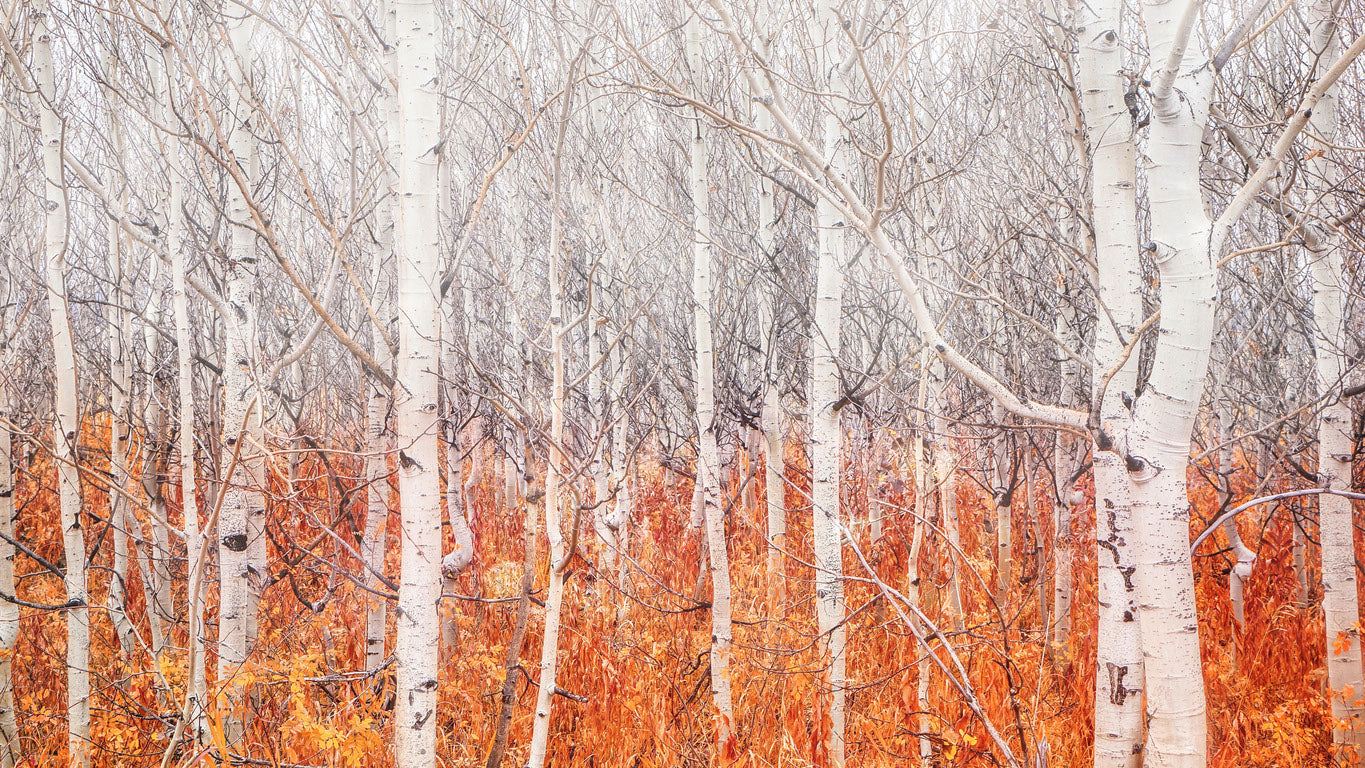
(646, 678)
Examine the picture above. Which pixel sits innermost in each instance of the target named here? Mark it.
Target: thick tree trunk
(243, 497)
(1158, 447)
(416, 414)
(1109, 128)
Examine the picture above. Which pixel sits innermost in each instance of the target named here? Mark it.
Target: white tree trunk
(557, 471)
(66, 423)
(771, 417)
(1119, 673)
(374, 545)
(9, 612)
(946, 481)
(826, 436)
(242, 427)
(707, 459)
(1158, 447)
(416, 414)
(121, 382)
(619, 519)
(1332, 346)
(458, 507)
(1004, 534)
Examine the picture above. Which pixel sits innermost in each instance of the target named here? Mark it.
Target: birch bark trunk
(121, 376)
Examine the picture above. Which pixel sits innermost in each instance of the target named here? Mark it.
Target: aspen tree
(912, 577)
(379, 403)
(9, 612)
(457, 303)
(707, 459)
(66, 416)
(1331, 347)
(769, 319)
(416, 413)
(374, 545)
(556, 478)
(10, 324)
(1113, 209)
(1156, 453)
(826, 433)
(243, 437)
(121, 382)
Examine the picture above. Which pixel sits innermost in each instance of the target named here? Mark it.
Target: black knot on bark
(236, 542)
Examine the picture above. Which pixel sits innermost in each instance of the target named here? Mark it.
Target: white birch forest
(593, 383)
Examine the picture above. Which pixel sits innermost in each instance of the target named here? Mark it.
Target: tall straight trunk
(374, 545)
(619, 520)
(1331, 346)
(9, 612)
(375, 542)
(1065, 499)
(189, 485)
(1003, 498)
(1113, 207)
(66, 426)
(1158, 447)
(597, 406)
(912, 577)
(826, 435)
(242, 494)
(176, 245)
(154, 545)
(707, 458)
(416, 412)
(945, 479)
(121, 380)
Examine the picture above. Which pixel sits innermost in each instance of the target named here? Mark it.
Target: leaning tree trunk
(1113, 207)
(66, 425)
(416, 415)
